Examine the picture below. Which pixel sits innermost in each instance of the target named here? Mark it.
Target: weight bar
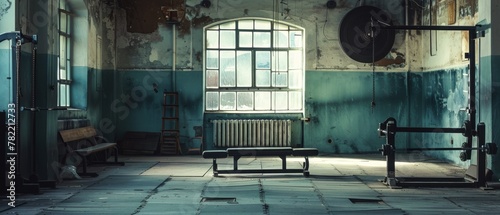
(489, 148)
(42, 108)
(466, 130)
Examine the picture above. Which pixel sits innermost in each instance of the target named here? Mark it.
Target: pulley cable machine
(389, 128)
(10, 120)
(366, 26)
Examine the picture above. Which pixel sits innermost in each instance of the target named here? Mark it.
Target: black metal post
(481, 155)
(391, 155)
(3, 151)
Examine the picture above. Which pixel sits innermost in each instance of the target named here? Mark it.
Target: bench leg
(235, 162)
(306, 166)
(283, 161)
(215, 170)
(85, 163)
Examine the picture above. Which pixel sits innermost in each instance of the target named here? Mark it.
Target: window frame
(64, 76)
(271, 89)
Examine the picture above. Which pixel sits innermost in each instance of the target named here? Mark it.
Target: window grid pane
(264, 98)
(244, 69)
(228, 100)
(212, 79)
(244, 74)
(212, 100)
(227, 40)
(245, 101)
(262, 39)
(227, 69)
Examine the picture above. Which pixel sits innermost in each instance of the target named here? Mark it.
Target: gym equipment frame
(22, 185)
(389, 128)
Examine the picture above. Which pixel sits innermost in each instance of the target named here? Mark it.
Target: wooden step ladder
(169, 144)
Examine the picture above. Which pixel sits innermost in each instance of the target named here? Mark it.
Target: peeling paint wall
(142, 33)
(446, 48)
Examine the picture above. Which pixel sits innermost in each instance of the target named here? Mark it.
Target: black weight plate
(355, 30)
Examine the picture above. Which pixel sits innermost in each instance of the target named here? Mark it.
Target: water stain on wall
(4, 8)
(144, 16)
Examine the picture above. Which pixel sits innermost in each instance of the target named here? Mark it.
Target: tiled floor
(339, 184)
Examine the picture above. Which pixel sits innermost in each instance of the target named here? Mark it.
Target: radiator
(251, 133)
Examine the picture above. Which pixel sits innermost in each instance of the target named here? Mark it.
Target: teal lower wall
(136, 106)
(489, 103)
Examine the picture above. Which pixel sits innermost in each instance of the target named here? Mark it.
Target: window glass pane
(68, 72)
(281, 39)
(68, 50)
(227, 39)
(62, 22)
(63, 95)
(212, 79)
(216, 27)
(245, 24)
(228, 100)
(263, 78)
(262, 25)
(262, 60)
(228, 25)
(212, 39)
(295, 100)
(262, 39)
(263, 100)
(68, 24)
(280, 26)
(295, 39)
(227, 69)
(62, 74)
(212, 60)
(295, 59)
(245, 39)
(212, 100)
(295, 79)
(280, 79)
(62, 51)
(245, 101)
(67, 95)
(280, 61)
(280, 101)
(244, 69)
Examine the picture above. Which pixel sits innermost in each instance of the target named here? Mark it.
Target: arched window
(253, 65)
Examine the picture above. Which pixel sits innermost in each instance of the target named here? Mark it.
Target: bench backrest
(77, 134)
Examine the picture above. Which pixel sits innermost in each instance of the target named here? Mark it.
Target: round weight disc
(355, 30)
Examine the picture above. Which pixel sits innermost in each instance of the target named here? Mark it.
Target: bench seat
(260, 151)
(305, 152)
(281, 152)
(215, 154)
(88, 136)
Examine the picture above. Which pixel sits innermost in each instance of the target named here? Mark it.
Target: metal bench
(281, 152)
(86, 140)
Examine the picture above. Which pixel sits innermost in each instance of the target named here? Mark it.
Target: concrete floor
(339, 184)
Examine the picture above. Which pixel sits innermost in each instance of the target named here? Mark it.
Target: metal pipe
(437, 28)
(174, 58)
(439, 149)
(430, 130)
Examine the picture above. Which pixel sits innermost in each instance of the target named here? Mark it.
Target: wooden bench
(86, 140)
(281, 152)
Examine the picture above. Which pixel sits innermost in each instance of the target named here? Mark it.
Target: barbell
(489, 148)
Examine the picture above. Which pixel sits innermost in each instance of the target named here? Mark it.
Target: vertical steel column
(391, 155)
(17, 102)
(481, 155)
(472, 76)
(3, 151)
